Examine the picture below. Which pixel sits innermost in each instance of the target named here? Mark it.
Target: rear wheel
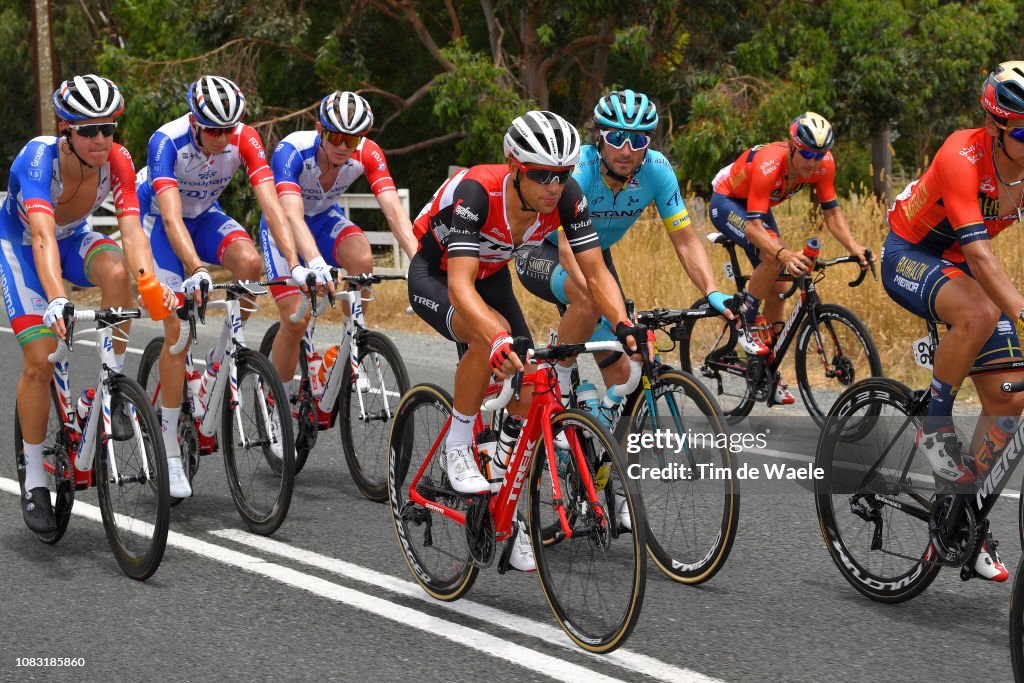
(306, 426)
(56, 461)
(132, 482)
(709, 351)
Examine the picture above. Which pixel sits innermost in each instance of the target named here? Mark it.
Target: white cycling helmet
(346, 112)
(87, 97)
(216, 102)
(543, 138)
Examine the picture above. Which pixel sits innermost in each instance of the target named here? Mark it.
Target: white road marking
(552, 635)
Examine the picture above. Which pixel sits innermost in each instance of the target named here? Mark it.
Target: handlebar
(820, 265)
(663, 317)
(104, 316)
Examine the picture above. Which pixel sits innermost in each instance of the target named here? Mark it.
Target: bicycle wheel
(709, 351)
(365, 410)
(306, 425)
(56, 448)
(258, 450)
(692, 513)
(188, 436)
(132, 483)
(875, 498)
(594, 579)
(434, 546)
(831, 356)
(1017, 624)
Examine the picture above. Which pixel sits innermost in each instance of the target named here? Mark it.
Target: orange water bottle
(152, 295)
(330, 356)
(812, 248)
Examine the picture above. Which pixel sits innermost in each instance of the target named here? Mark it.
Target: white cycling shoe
(942, 450)
(463, 473)
(177, 480)
(988, 566)
(522, 558)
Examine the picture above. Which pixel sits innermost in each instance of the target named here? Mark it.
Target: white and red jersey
(296, 171)
(176, 162)
(35, 185)
(466, 217)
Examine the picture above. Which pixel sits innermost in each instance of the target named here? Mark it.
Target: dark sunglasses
(808, 154)
(217, 132)
(617, 138)
(333, 138)
(91, 130)
(547, 176)
(1016, 133)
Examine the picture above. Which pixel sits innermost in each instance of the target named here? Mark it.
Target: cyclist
(741, 200)
(191, 160)
(56, 183)
(619, 176)
(459, 283)
(311, 170)
(938, 263)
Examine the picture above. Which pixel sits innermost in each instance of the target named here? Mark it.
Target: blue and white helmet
(87, 97)
(627, 110)
(346, 112)
(216, 102)
(543, 138)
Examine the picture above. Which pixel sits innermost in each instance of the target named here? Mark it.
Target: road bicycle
(119, 431)
(889, 524)
(238, 403)
(833, 347)
(363, 392)
(592, 572)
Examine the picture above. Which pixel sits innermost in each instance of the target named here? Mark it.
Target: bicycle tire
(707, 509)
(725, 376)
(597, 560)
(866, 489)
(831, 317)
(367, 461)
(306, 432)
(55, 449)
(449, 572)
(123, 502)
(1017, 624)
(260, 482)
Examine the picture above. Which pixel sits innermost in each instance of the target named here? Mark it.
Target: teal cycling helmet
(626, 110)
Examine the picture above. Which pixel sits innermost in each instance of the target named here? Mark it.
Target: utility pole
(42, 57)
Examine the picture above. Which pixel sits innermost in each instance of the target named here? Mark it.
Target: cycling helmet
(812, 132)
(87, 97)
(216, 102)
(1003, 92)
(346, 112)
(544, 138)
(626, 109)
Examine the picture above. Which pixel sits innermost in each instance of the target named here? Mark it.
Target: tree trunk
(42, 53)
(881, 165)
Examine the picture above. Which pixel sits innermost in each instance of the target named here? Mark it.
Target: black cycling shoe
(37, 511)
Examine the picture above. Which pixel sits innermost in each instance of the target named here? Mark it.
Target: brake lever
(69, 323)
(520, 345)
(204, 298)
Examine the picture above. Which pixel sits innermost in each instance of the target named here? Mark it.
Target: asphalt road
(330, 597)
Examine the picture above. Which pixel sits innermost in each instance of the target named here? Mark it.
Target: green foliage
(16, 109)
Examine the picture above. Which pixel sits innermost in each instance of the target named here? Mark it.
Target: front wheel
(1017, 625)
(366, 408)
(56, 461)
(306, 422)
(875, 498)
(709, 350)
(259, 455)
(593, 573)
(132, 481)
(690, 493)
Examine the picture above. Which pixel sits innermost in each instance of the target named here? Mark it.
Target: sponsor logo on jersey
(464, 212)
(580, 205)
(911, 268)
(770, 166)
(918, 198)
(39, 155)
(617, 213)
(972, 153)
(423, 301)
(987, 185)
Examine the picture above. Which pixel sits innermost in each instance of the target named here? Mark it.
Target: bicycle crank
(955, 546)
(480, 531)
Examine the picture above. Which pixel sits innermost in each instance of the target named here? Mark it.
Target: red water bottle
(812, 248)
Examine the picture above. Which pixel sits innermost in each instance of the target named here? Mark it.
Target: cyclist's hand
(858, 252)
(54, 316)
(503, 360)
(796, 263)
(324, 277)
(193, 285)
(718, 302)
(626, 333)
(170, 298)
(300, 274)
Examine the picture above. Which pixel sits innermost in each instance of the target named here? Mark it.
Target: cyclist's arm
(250, 149)
(695, 260)
(169, 201)
(462, 272)
(46, 254)
(37, 203)
(286, 166)
(758, 205)
(993, 279)
(835, 221)
(568, 262)
(293, 210)
(126, 204)
(398, 220)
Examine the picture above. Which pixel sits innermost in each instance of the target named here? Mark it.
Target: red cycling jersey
(759, 177)
(466, 217)
(956, 201)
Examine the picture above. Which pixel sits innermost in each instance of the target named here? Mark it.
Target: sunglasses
(91, 130)
(1016, 133)
(617, 138)
(333, 138)
(547, 176)
(217, 132)
(808, 154)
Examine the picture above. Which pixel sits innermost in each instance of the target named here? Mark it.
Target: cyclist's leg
(218, 238)
(285, 351)
(769, 272)
(340, 240)
(90, 259)
(1003, 345)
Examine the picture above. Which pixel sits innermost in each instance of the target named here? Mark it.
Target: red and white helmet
(1003, 92)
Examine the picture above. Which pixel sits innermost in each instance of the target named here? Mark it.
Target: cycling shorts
(729, 216)
(212, 232)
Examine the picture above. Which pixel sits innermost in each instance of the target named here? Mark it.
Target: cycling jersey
(466, 217)
(175, 161)
(759, 177)
(296, 171)
(956, 201)
(613, 213)
(35, 185)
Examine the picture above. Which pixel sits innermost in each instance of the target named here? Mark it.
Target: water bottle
(195, 384)
(510, 430)
(487, 450)
(152, 295)
(998, 434)
(316, 374)
(812, 248)
(82, 409)
(205, 387)
(587, 397)
(330, 356)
